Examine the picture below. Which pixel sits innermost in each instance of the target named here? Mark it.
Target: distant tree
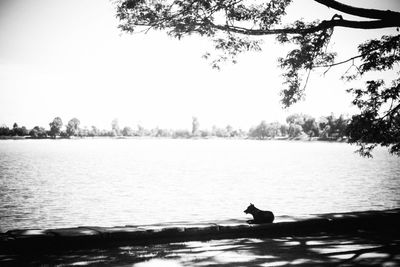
(307, 123)
(332, 125)
(24, 131)
(325, 133)
(273, 129)
(195, 126)
(265, 130)
(127, 131)
(221, 132)
(242, 133)
(63, 134)
(105, 133)
(55, 127)
(327, 127)
(295, 130)
(73, 127)
(310, 126)
(141, 131)
(322, 123)
(115, 127)
(214, 129)
(341, 126)
(34, 132)
(157, 132)
(238, 133)
(284, 129)
(83, 132)
(229, 131)
(94, 131)
(4, 130)
(181, 134)
(15, 130)
(38, 132)
(205, 133)
(260, 131)
(295, 118)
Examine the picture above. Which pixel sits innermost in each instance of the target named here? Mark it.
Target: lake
(110, 182)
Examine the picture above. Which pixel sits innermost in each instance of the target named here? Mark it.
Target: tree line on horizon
(297, 125)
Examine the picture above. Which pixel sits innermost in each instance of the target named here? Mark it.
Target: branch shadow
(360, 248)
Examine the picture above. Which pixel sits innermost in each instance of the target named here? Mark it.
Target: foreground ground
(360, 248)
(370, 238)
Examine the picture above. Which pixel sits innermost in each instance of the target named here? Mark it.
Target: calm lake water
(109, 182)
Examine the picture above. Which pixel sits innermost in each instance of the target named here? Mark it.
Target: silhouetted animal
(260, 216)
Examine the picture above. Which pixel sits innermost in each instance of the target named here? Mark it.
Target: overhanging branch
(361, 12)
(338, 63)
(326, 24)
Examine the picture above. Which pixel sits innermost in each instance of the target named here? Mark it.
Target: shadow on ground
(351, 249)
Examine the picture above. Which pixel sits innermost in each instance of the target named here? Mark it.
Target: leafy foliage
(236, 25)
(380, 54)
(379, 118)
(379, 121)
(311, 51)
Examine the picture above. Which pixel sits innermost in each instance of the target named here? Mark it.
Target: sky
(69, 59)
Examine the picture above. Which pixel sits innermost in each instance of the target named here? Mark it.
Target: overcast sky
(69, 59)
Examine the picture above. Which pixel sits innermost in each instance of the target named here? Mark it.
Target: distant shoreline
(286, 138)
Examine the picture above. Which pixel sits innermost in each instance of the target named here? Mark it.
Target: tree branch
(391, 111)
(338, 63)
(361, 12)
(326, 24)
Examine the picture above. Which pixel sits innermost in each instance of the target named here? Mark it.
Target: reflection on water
(63, 183)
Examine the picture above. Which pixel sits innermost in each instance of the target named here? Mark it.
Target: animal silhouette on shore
(260, 216)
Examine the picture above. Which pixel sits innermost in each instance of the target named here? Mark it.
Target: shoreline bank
(301, 138)
(93, 236)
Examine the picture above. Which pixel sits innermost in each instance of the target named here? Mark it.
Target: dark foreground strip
(91, 237)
